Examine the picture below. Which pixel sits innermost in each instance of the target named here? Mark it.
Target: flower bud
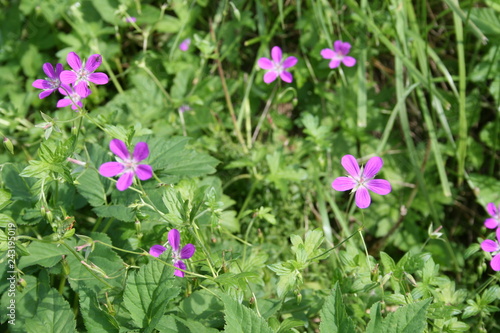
(8, 145)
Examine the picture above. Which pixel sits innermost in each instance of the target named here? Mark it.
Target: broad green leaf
(376, 321)
(410, 318)
(333, 314)
(91, 188)
(53, 314)
(203, 307)
(43, 254)
(148, 292)
(119, 212)
(171, 157)
(26, 301)
(5, 220)
(4, 198)
(240, 319)
(95, 316)
(18, 186)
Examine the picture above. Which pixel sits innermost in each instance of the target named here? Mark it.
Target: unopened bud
(75, 161)
(8, 144)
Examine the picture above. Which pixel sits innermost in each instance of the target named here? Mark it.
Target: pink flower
(130, 19)
(494, 220)
(361, 180)
(127, 166)
(276, 67)
(82, 74)
(339, 54)
(184, 45)
(493, 246)
(51, 82)
(178, 254)
(72, 98)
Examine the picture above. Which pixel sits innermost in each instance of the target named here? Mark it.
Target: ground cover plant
(250, 166)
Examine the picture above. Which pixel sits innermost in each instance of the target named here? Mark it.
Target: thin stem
(226, 91)
(264, 114)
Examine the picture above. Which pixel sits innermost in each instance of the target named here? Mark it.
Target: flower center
(130, 165)
(82, 75)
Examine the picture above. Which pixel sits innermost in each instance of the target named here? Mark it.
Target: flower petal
(184, 46)
(341, 47)
(286, 76)
(119, 148)
(49, 70)
(74, 61)
(82, 89)
(334, 63)
(349, 61)
(141, 151)
(45, 93)
(498, 235)
(350, 165)
(63, 102)
(125, 181)
(343, 184)
(276, 54)
(491, 208)
(490, 223)
(181, 265)
(93, 62)
(379, 186)
(328, 53)
(490, 246)
(68, 77)
(362, 198)
(144, 171)
(290, 62)
(174, 239)
(59, 69)
(187, 251)
(265, 63)
(157, 250)
(98, 78)
(41, 84)
(270, 77)
(495, 263)
(111, 169)
(372, 167)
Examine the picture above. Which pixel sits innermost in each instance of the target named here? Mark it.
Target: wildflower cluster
(74, 83)
(276, 66)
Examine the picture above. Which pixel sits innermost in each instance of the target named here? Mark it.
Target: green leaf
(333, 314)
(376, 324)
(91, 188)
(119, 212)
(18, 186)
(94, 317)
(43, 254)
(173, 158)
(4, 198)
(148, 292)
(203, 307)
(240, 319)
(53, 314)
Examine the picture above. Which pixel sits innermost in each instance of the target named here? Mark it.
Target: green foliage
(333, 314)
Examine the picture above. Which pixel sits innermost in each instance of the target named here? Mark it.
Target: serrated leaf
(411, 318)
(240, 319)
(376, 324)
(119, 212)
(148, 292)
(18, 186)
(94, 317)
(91, 188)
(44, 254)
(173, 158)
(53, 314)
(4, 198)
(333, 314)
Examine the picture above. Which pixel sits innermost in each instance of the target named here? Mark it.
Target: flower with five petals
(127, 166)
(339, 54)
(178, 254)
(82, 74)
(52, 82)
(361, 180)
(276, 66)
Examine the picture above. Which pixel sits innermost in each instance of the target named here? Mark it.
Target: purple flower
(494, 220)
(130, 19)
(184, 108)
(51, 83)
(184, 45)
(72, 98)
(82, 74)
(178, 254)
(361, 180)
(339, 54)
(493, 246)
(277, 66)
(127, 166)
